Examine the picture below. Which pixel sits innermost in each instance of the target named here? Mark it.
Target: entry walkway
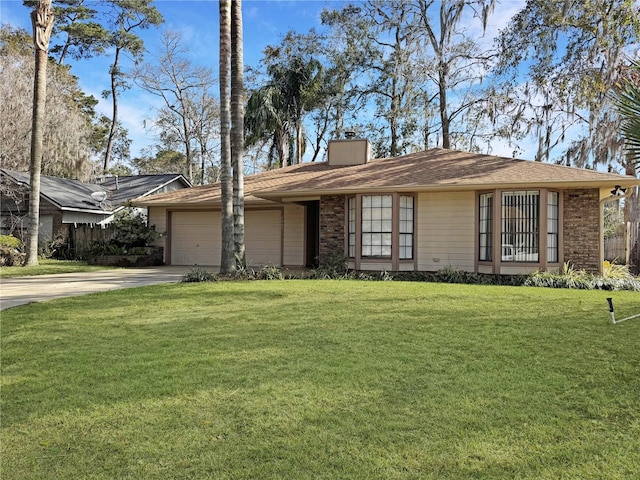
(23, 290)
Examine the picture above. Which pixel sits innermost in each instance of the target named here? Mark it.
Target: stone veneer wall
(332, 222)
(581, 227)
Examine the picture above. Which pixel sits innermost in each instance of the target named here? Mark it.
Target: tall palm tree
(276, 111)
(237, 130)
(266, 119)
(227, 259)
(42, 21)
(628, 101)
(304, 80)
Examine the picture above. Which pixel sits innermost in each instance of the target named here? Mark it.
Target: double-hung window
(406, 228)
(352, 227)
(552, 227)
(485, 228)
(377, 225)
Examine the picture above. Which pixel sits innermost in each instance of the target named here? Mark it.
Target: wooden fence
(624, 246)
(82, 237)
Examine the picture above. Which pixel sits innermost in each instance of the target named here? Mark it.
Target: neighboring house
(123, 189)
(66, 203)
(418, 212)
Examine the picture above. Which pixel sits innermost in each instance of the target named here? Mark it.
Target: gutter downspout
(608, 199)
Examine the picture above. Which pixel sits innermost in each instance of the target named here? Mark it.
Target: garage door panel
(263, 237)
(196, 237)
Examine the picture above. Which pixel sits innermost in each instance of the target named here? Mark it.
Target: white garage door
(196, 237)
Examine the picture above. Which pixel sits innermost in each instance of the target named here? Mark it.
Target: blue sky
(265, 22)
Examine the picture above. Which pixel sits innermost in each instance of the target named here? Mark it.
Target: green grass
(322, 379)
(48, 266)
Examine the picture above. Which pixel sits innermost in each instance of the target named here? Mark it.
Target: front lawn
(49, 266)
(322, 379)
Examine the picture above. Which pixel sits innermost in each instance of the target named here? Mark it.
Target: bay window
(486, 228)
(377, 217)
(406, 228)
(552, 227)
(380, 227)
(520, 226)
(351, 208)
(528, 222)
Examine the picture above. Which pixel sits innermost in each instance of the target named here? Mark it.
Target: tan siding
(485, 269)
(294, 238)
(376, 266)
(446, 229)
(521, 269)
(157, 216)
(263, 237)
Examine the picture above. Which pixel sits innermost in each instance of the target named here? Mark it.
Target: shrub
(131, 230)
(615, 277)
(197, 274)
(105, 248)
(10, 254)
(11, 257)
(131, 237)
(334, 265)
(270, 272)
(10, 241)
(57, 247)
(614, 270)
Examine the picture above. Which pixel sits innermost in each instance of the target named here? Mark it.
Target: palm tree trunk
(299, 141)
(42, 21)
(237, 130)
(227, 263)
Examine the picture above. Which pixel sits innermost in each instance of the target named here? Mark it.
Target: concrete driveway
(23, 290)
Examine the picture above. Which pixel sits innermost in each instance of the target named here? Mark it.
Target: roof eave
(280, 195)
(176, 178)
(195, 204)
(84, 210)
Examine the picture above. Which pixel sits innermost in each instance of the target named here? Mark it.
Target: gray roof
(73, 195)
(64, 193)
(124, 188)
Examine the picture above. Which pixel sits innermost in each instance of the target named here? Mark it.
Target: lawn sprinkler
(613, 316)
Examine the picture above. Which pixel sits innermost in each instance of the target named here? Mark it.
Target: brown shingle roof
(435, 169)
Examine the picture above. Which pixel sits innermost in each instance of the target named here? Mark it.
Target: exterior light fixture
(618, 190)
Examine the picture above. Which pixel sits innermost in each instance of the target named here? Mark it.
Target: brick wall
(581, 229)
(332, 222)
